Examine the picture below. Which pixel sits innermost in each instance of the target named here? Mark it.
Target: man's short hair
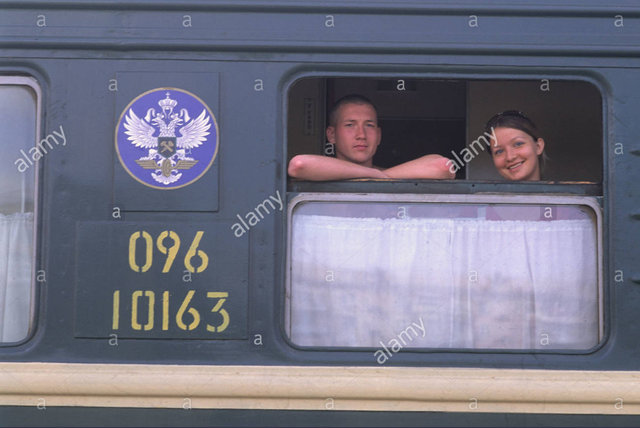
(349, 99)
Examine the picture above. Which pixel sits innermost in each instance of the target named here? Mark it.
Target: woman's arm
(319, 168)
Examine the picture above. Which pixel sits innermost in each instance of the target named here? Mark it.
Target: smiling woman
(517, 150)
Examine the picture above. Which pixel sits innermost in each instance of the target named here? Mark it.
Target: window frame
(33, 84)
(512, 199)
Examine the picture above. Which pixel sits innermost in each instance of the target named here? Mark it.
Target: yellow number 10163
(170, 251)
(187, 317)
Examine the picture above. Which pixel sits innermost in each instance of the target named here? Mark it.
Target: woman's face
(515, 154)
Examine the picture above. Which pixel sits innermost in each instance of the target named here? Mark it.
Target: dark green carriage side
(91, 59)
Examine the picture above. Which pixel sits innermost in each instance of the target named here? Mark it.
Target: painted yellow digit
(172, 250)
(192, 252)
(132, 251)
(218, 308)
(134, 309)
(133, 239)
(165, 310)
(115, 323)
(152, 304)
(193, 311)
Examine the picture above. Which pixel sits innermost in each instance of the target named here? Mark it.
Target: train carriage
(158, 266)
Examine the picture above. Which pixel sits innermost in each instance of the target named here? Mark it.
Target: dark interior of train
(422, 116)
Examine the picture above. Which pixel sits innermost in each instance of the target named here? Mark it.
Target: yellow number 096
(170, 252)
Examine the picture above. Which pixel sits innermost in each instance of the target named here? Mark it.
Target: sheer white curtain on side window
(16, 236)
(458, 282)
(18, 108)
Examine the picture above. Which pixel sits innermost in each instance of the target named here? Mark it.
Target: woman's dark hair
(513, 119)
(516, 120)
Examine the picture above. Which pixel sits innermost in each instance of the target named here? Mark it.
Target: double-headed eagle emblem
(167, 153)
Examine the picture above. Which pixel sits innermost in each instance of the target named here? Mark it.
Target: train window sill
(578, 188)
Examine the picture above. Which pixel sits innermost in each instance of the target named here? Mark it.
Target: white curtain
(471, 283)
(16, 245)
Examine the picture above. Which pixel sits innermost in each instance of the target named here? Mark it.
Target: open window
(19, 107)
(445, 116)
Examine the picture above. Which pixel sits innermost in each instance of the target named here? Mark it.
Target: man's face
(356, 134)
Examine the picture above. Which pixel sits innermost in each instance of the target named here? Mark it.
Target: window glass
(443, 275)
(18, 108)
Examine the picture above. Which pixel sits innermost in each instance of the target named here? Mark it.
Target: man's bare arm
(428, 166)
(320, 168)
